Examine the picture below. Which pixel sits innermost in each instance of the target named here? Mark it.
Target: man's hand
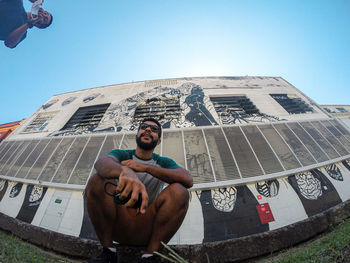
(32, 21)
(129, 182)
(136, 166)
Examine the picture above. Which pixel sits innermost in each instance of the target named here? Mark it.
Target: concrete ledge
(233, 250)
(64, 244)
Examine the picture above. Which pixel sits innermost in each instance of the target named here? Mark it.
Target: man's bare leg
(101, 209)
(114, 222)
(171, 207)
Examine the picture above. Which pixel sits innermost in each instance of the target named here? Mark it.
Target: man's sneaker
(151, 259)
(106, 256)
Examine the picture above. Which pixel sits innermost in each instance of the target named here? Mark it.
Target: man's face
(44, 18)
(147, 137)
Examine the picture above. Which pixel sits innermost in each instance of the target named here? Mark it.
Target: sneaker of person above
(150, 258)
(106, 256)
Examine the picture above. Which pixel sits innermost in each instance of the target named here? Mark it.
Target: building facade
(257, 148)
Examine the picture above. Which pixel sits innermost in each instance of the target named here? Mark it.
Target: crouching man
(140, 175)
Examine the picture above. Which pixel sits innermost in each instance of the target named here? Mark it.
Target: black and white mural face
(334, 172)
(224, 199)
(32, 200)
(315, 191)
(68, 101)
(268, 188)
(15, 190)
(229, 213)
(309, 186)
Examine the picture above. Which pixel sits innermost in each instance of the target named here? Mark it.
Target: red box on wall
(265, 213)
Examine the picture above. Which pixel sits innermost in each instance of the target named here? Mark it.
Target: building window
(341, 110)
(86, 117)
(291, 103)
(233, 106)
(40, 122)
(162, 109)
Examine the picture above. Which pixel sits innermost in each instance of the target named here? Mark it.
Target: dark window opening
(233, 106)
(292, 104)
(86, 117)
(162, 109)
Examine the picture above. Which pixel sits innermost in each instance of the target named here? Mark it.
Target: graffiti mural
(276, 198)
(334, 172)
(251, 118)
(268, 188)
(3, 188)
(197, 157)
(119, 116)
(224, 199)
(315, 191)
(230, 213)
(197, 112)
(15, 190)
(346, 163)
(32, 200)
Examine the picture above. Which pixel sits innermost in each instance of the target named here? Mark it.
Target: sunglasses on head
(144, 126)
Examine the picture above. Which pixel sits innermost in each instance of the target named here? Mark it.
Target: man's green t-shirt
(153, 185)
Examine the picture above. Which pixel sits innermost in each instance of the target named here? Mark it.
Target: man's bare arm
(109, 167)
(16, 35)
(178, 175)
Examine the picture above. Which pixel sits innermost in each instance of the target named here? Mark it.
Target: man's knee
(179, 194)
(93, 185)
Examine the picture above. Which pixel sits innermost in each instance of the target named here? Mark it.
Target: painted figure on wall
(3, 188)
(346, 163)
(334, 172)
(32, 200)
(199, 114)
(15, 190)
(268, 188)
(315, 191)
(230, 213)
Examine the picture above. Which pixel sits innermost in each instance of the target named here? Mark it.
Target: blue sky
(98, 43)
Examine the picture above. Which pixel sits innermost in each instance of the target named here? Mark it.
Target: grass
(330, 248)
(13, 250)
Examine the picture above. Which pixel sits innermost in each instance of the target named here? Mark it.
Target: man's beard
(144, 145)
